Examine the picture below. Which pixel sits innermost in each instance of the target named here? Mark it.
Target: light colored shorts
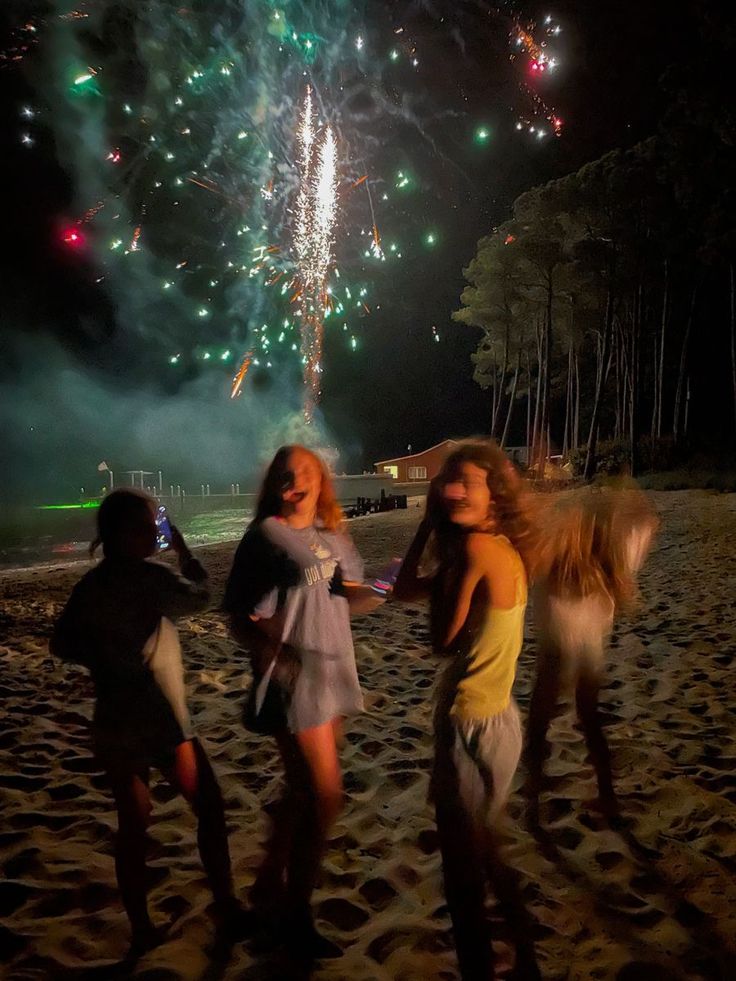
(573, 635)
(475, 763)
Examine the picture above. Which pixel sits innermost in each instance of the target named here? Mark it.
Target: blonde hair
(587, 541)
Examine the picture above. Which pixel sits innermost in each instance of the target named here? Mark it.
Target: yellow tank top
(485, 687)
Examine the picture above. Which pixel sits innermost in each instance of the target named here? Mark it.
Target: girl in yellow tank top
(493, 647)
(480, 538)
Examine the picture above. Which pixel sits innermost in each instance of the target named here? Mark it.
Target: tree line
(592, 296)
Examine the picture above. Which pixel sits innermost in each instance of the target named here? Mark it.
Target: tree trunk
(632, 413)
(616, 358)
(512, 401)
(733, 338)
(598, 357)
(629, 388)
(683, 365)
(547, 365)
(576, 429)
(598, 400)
(502, 381)
(543, 410)
(624, 376)
(528, 411)
(655, 393)
(639, 317)
(493, 395)
(568, 405)
(663, 328)
(538, 399)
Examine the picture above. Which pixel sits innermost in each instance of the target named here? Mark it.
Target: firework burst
(315, 214)
(241, 373)
(303, 244)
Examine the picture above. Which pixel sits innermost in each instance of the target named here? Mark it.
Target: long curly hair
(512, 506)
(270, 502)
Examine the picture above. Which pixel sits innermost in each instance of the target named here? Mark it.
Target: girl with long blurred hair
(596, 541)
(479, 545)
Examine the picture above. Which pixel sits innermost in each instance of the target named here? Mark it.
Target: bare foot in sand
(525, 967)
(532, 810)
(531, 791)
(144, 939)
(607, 807)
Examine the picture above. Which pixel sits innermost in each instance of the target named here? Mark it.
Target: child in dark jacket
(118, 624)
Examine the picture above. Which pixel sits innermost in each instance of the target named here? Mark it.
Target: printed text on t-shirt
(318, 573)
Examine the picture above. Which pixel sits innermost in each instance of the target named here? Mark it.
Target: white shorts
(573, 634)
(475, 762)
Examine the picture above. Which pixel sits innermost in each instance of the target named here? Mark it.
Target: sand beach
(655, 898)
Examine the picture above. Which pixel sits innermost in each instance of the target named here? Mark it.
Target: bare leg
(314, 797)
(586, 700)
(506, 885)
(542, 709)
(323, 800)
(133, 802)
(270, 884)
(192, 775)
(463, 870)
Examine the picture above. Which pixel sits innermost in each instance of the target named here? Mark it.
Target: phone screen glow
(163, 528)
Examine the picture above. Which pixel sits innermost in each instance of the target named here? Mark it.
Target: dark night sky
(409, 389)
(609, 96)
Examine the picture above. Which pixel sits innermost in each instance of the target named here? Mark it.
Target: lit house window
(417, 473)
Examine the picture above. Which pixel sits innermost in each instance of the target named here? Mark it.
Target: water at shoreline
(69, 541)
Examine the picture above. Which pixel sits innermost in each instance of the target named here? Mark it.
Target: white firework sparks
(303, 223)
(316, 212)
(325, 189)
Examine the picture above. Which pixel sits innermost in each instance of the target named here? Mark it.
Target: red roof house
(417, 466)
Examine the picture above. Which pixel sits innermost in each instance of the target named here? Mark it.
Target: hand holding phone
(178, 544)
(163, 529)
(386, 579)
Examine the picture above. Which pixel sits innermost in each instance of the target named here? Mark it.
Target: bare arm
(491, 563)
(259, 636)
(409, 584)
(184, 594)
(66, 641)
(362, 599)
(252, 631)
(471, 577)
(189, 567)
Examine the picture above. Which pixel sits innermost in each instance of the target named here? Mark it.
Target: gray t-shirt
(300, 573)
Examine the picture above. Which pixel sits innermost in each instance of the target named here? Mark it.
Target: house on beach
(417, 467)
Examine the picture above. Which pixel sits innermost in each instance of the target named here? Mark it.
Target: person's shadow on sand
(267, 963)
(220, 954)
(610, 902)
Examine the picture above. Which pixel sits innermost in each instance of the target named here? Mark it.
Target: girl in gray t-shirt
(295, 580)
